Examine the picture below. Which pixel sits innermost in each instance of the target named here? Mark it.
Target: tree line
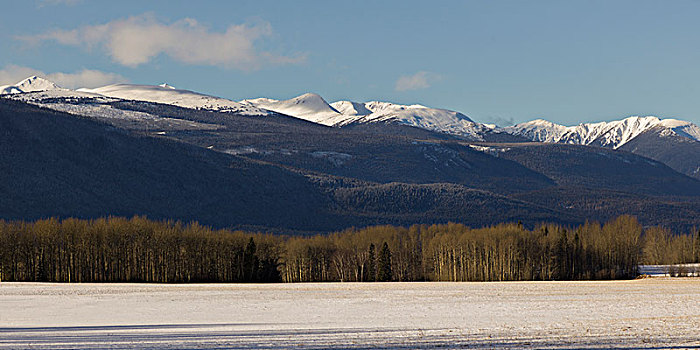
(140, 250)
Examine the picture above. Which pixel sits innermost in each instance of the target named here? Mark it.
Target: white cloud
(420, 80)
(137, 40)
(85, 78)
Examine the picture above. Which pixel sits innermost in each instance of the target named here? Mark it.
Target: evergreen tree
(371, 264)
(384, 264)
(250, 261)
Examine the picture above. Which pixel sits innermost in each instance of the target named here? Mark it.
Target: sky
(498, 62)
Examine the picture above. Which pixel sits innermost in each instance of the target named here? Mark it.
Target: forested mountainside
(56, 164)
(279, 173)
(678, 152)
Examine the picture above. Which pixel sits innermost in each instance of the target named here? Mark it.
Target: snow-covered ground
(683, 270)
(167, 94)
(654, 313)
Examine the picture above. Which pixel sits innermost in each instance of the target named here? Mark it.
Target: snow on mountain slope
(35, 83)
(49, 96)
(311, 107)
(30, 84)
(56, 99)
(99, 107)
(605, 134)
(314, 108)
(682, 128)
(9, 89)
(539, 130)
(434, 119)
(350, 108)
(166, 94)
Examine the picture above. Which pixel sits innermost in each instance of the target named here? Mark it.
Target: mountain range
(327, 166)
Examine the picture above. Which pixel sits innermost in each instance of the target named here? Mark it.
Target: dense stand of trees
(141, 250)
(133, 250)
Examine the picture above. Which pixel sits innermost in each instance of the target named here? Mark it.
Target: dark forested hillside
(54, 164)
(600, 168)
(400, 203)
(680, 153)
(283, 174)
(678, 213)
(387, 153)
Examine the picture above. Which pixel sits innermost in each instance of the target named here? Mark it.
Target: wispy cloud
(498, 120)
(420, 80)
(137, 40)
(84, 78)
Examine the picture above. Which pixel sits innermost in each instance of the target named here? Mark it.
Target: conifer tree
(371, 264)
(384, 264)
(250, 263)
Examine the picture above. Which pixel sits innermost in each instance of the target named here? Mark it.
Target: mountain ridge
(313, 108)
(612, 134)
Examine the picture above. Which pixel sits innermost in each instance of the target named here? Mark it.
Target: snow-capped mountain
(612, 134)
(351, 108)
(311, 107)
(167, 94)
(30, 84)
(314, 108)
(35, 83)
(434, 119)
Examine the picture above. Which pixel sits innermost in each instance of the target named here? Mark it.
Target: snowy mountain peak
(35, 83)
(416, 115)
(682, 128)
(167, 94)
(309, 106)
(313, 101)
(389, 108)
(350, 108)
(612, 134)
(539, 130)
(314, 108)
(539, 122)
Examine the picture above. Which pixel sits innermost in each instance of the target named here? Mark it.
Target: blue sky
(496, 61)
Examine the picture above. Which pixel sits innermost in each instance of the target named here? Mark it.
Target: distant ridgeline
(140, 250)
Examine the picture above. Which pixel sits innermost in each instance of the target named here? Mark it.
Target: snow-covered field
(654, 313)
